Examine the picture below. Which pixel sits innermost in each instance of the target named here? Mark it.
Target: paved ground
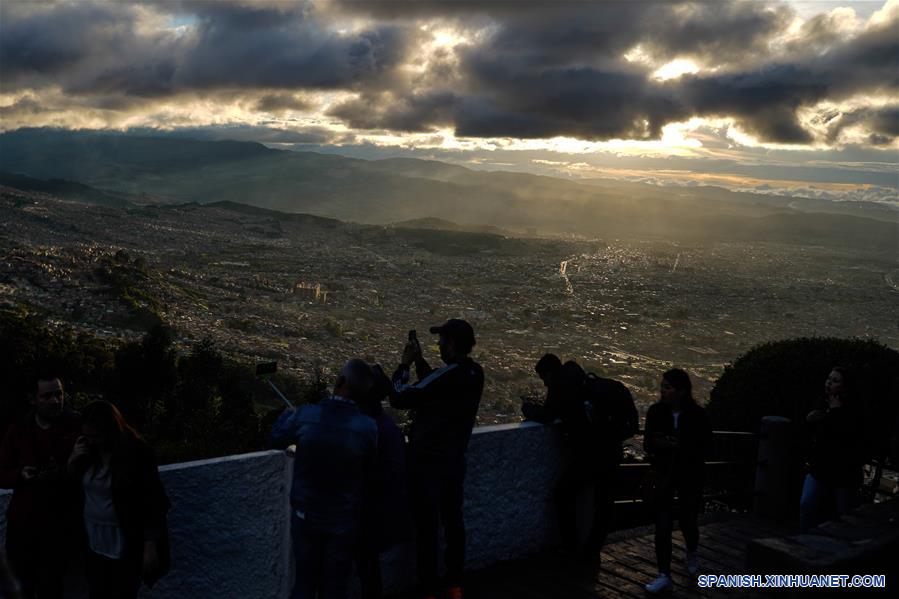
(628, 563)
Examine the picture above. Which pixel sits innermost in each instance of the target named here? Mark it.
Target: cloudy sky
(777, 97)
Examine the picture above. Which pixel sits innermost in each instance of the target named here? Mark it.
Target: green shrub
(786, 378)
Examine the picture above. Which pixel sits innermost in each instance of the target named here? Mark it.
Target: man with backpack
(597, 415)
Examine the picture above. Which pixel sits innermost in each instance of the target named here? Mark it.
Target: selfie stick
(281, 395)
(264, 371)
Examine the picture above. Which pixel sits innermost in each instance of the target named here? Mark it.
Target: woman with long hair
(835, 464)
(124, 504)
(677, 439)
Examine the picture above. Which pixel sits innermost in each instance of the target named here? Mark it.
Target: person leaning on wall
(597, 415)
(336, 447)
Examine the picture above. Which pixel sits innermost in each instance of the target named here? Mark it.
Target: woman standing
(677, 439)
(835, 463)
(124, 510)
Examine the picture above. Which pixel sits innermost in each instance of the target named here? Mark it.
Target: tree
(786, 378)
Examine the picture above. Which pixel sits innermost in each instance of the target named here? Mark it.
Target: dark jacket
(586, 413)
(444, 404)
(694, 435)
(46, 501)
(139, 498)
(836, 455)
(336, 450)
(386, 509)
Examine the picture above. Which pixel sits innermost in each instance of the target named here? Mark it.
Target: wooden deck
(628, 563)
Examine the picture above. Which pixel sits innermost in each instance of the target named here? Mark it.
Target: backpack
(610, 408)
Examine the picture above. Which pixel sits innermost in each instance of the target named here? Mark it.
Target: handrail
(709, 463)
(641, 431)
(705, 497)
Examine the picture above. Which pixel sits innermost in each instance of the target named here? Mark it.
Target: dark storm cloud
(579, 102)
(766, 99)
(85, 47)
(517, 90)
(527, 69)
(102, 49)
(716, 32)
(47, 43)
(566, 32)
(412, 113)
(881, 124)
(283, 102)
(259, 46)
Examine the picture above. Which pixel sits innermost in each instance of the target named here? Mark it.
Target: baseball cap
(457, 329)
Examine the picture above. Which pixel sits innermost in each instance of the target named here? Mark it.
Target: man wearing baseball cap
(444, 404)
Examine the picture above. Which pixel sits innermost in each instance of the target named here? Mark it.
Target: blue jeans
(324, 561)
(818, 497)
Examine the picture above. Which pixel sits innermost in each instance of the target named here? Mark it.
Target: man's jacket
(26, 444)
(444, 404)
(336, 449)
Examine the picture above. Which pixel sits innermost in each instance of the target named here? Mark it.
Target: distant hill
(63, 189)
(282, 216)
(400, 190)
(442, 224)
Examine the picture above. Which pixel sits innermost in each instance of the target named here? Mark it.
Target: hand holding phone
(412, 350)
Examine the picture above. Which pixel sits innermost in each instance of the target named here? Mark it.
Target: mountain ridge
(396, 190)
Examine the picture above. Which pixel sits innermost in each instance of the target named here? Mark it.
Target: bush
(786, 378)
(29, 349)
(196, 405)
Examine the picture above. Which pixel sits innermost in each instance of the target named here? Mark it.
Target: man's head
(49, 398)
(569, 379)
(355, 380)
(456, 339)
(547, 367)
(370, 405)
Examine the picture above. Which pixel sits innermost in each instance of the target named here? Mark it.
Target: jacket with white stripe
(444, 404)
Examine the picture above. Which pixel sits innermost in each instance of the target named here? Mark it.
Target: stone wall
(230, 530)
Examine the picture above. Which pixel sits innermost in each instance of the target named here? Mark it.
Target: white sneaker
(693, 563)
(659, 585)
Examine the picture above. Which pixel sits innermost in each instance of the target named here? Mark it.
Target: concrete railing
(230, 530)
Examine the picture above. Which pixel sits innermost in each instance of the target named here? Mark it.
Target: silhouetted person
(385, 511)
(677, 440)
(336, 447)
(835, 463)
(597, 415)
(123, 505)
(40, 531)
(445, 405)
